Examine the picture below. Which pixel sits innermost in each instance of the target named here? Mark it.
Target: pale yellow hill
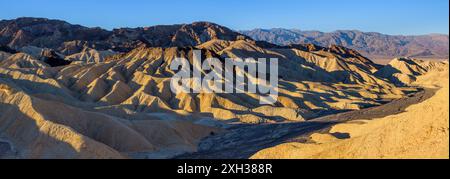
(20, 60)
(90, 56)
(422, 131)
(404, 71)
(36, 127)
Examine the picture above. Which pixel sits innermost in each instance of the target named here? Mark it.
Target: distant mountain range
(371, 44)
(69, 39)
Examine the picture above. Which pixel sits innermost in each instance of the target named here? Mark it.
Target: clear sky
(407, 17)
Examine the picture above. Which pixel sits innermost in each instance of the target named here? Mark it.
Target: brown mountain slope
(374, 45)
(70, 39)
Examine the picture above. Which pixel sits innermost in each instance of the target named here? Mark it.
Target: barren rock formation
(403, 71)
(70, 39)
(421, 131)
(68, 91)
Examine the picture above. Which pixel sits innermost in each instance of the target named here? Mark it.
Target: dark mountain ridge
(69, 39)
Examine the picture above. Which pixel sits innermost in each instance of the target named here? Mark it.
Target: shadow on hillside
(26, 132)
(243, 142)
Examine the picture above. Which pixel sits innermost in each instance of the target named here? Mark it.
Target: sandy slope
(420, 132)
(35, 127)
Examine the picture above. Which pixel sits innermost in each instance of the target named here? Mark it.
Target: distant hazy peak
(372, 44)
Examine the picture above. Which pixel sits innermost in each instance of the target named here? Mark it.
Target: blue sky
(407, 17)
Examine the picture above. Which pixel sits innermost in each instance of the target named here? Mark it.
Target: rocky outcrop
(69, 39)
(404, 71)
